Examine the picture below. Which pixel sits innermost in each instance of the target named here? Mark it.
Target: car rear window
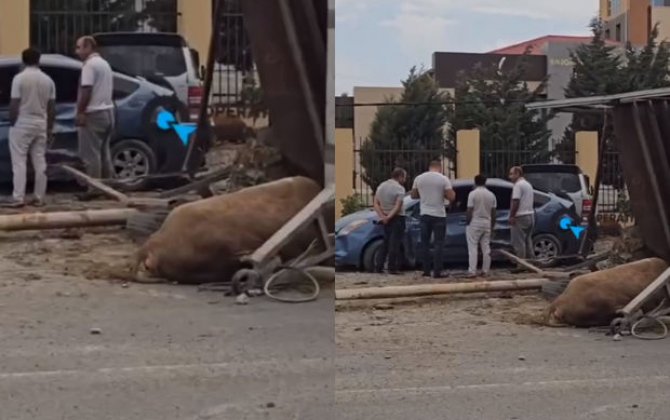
(145, 60)
(554, 182)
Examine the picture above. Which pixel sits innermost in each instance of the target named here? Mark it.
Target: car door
(501, 231)
(7, 74)
(66, 80)
(412, 237)
(455, 240)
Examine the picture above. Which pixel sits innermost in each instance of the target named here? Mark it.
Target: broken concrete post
(65, 219)
(439, 289)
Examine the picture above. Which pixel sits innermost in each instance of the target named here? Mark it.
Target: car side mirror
(203, 70)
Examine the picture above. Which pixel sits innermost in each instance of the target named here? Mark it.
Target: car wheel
(546, 247)
(370, 255)
(132, 161)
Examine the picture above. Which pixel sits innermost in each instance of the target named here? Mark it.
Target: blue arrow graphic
(166, 120)
(566, 224)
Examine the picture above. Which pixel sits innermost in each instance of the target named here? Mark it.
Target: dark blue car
(138, 148)
(359, 237)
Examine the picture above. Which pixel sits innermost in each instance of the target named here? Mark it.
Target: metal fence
(373, 166)
(235, 84)
(55, 25)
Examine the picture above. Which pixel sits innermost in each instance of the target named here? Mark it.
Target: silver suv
(161, 58)
(567, 181)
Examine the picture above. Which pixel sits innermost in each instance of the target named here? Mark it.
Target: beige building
(632, 20)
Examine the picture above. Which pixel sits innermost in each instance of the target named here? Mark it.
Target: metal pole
(203, 131)
(596, 193)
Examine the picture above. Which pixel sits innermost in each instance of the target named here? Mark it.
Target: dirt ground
(486, 356)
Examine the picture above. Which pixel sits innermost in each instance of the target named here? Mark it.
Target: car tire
(139, 160)
(370, 255)
(546, 247)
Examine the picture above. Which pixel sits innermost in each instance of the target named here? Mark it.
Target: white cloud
(533, 9)
(415, 29)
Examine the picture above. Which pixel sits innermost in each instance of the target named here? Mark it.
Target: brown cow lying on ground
(203, 241)
(593, 299)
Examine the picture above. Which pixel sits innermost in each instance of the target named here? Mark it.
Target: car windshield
(145, 60)
(554, 182)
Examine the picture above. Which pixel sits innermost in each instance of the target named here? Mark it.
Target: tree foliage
(600, 70)
(493, 101)
(408, 136)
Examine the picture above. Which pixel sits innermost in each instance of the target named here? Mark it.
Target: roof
(536, 44)
(591, 103)
(45, 59)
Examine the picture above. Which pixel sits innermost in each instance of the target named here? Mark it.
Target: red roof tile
(536, 44)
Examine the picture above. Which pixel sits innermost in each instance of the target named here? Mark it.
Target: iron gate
(55, 25)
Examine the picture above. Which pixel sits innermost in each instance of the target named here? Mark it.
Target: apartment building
(632, 20)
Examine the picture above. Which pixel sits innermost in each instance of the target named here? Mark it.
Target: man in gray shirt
(521, 216)
(389, 207)
(32, 119)
(481, 219)
(95, 110)
(431, 188)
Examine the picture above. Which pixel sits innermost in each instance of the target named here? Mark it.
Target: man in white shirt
(95, 109)
(522, 215)
(389, 207)
(481, 219)
(31, 117)
(432, 188)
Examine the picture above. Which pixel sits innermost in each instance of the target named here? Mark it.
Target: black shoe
(518, 270)
(395, 273)
(440, 275)
(425, 274)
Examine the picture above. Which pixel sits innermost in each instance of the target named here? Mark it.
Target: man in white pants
(481, 219)
(31, 115)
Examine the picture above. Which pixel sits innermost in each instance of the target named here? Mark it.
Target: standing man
(481, 219)
(432, 188)
(95, 109)
(389, 207)
(31, 115)
(522, 216)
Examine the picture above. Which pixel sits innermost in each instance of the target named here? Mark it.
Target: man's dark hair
(398, 173)
(435, 164)
(31, 57)
(517, 170)
(480, 180)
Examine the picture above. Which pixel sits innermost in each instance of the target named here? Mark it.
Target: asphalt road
(164, 352)
(459, 360)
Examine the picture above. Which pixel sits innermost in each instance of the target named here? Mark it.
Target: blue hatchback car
(138, 148)
(359, 237)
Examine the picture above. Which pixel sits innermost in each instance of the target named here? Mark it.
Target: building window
(618, 32)
(661, 3)
(615, 7)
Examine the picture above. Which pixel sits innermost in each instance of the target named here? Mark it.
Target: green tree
(597, 71)
(408, 136)
(493, 101)
(649, 67)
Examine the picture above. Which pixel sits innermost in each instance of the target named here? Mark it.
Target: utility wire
(452, 102)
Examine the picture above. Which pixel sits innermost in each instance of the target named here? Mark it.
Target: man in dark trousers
(432, 187)
(521, 216)
(388, 204)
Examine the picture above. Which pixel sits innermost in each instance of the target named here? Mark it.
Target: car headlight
(352, 227)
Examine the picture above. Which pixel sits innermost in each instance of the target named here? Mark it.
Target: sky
(378, 41)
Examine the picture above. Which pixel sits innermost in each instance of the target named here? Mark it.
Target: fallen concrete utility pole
(65, 219)
(439, 289)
